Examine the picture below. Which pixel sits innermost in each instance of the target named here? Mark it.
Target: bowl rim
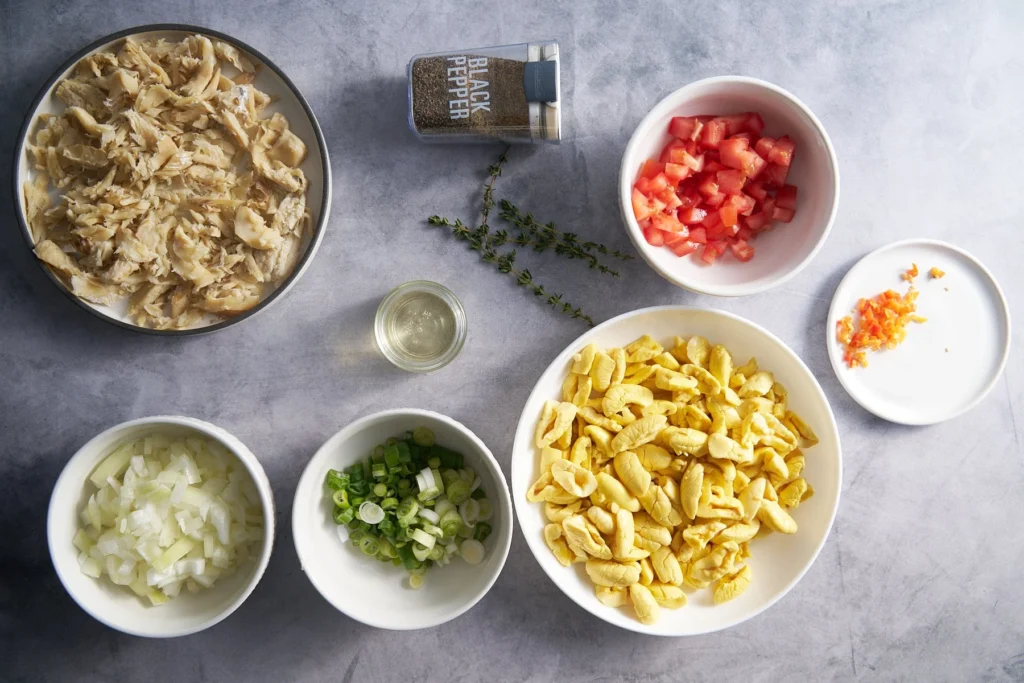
(661, 110)
(842, 373)
(342, 435)
(318, 230)
(226, 439)
(524, 507)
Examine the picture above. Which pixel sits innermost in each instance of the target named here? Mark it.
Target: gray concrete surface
(919, 579)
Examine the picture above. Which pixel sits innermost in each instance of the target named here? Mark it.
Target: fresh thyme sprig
(480, 239)
(543, 237)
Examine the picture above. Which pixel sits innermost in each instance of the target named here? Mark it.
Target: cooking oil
(420, 326)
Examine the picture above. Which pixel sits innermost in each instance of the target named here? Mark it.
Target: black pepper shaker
(508, 92)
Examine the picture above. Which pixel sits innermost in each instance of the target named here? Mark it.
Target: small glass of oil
(420, 326)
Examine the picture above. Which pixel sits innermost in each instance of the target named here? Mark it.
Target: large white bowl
(373, 592)
(779, 254)
(116, 606)
(287, 100)
(778, 561)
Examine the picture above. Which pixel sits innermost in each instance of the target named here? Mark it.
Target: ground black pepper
(469, 94)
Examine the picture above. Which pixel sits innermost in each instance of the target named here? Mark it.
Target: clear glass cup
(420, 326)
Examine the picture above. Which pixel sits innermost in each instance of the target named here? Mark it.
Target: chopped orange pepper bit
(882, 324)
(936, 272)
(910, 274)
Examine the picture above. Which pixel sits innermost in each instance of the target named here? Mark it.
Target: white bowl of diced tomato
(729, 186)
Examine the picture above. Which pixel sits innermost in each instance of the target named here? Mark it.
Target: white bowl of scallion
(403, 519)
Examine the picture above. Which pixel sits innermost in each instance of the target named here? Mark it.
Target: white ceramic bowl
(288, 101)
(779, 254)
(116, 606)
(370, 591)
(778, 561)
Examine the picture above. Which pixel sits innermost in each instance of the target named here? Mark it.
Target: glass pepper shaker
(509, 92)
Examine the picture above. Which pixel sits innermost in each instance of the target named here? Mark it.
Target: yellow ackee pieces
(661, 465)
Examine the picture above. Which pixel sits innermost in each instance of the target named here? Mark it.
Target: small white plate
(946, 365)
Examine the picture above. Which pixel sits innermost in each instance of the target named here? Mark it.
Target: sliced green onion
(344, 516)
(380, 490)
(423, 538)
(337, 480)
(415, 581)
(472, 551)
(434, 462)
(371, 513)
(481, 531)
(469, 511)
(458, 492)
(423, 436)
(486, 509)
(340, 498)
(369, 545)
(430, 515)
(389, 503)
(450, 523)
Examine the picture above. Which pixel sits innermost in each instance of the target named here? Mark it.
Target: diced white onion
(168, 514)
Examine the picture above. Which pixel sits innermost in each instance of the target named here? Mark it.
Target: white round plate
(778, 561)
(946, 365)
(378, 593)
(287, 100)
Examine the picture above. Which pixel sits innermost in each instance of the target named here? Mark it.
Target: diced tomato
(708, 254)
(685, 127)
(728, 214)
(784, 215)
(716, 200)
(711, 221)
(692, 146)
(658, 183)
(692, 215)
(733, 123)
(681, 156)
(685, 247)
(651, 168)
(708, 187)
(713, 133)
(674, 238)
(786, 197)
(642, 208)
(782, 151)
(764, 146)
(669, 197)
(690, 199)
(755, 188)
(730, 151)
(644, 185)
(744, 233)
(741, 250)
(754, 123)
(756, 221)
(730, 181)
(654, 237)
(775, 175)
(757, 164)
(742, 203)
(666, 154)
(749, 137)
(768, 209)
(699, 235)
(667, 223)
(676, 172)
(713, 166)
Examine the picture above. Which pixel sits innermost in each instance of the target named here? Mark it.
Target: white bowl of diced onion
(185, 559)
(379, 594)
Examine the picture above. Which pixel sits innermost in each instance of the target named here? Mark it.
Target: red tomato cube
(755, 188)
(642, 208)
(756, 221)
(651, 168)
(764, 146)
(733, 123)
(668, 196)
(742, 203)
(744, 233)
(667, 223)
(715, 200)
(699, 235)
(643, 185)
(786, 197)
(728, 214)
(741, 250)
(658, 183)
(666, 154)
(708, 255)
(676, 172)
(718, 245)
(775, 175)
(754, 123)
(692, 215)
(757, 164)
(782, 151)
(749, 137)
(685, 127)
(784, 215)
(685, 247)
(713, 133)
(654, 237)
(708, 187)
(730, 181)
(730, 151)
